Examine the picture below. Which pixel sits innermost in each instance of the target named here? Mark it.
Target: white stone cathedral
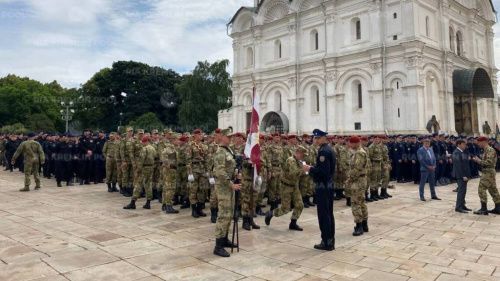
(364, 66)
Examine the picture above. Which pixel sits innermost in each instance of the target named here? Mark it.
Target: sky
(70, 40)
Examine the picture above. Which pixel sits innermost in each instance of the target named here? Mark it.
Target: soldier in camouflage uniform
(357, 181)
(127, 158)
(213, 194)
(182, 174)
(487, 181)
(109, 151)
(118, 160)
(375, 154)
(170, 161)
(248, 196)
(33, 158)
(144, 166)
(306, 184)
(197, 173)
(340, 177)
(224, 172)
(364, 145)
(386, 168)
(137, 148)
(290, 193)
(157, 182)
(275, 151)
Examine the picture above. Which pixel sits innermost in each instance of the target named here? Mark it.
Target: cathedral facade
(364, 66)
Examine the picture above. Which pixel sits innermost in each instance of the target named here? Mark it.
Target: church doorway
(469, 85)
(275, 122)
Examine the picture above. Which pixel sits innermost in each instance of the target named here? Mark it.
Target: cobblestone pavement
(82, 233)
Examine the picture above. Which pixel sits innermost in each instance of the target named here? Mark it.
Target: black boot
(147, 205)
(336, 196)
(496, 210)
(383, 193)
(246, 223)
(368, 198)
(269, 216)
(358, 230)
(160, 196)
(155, 194)
(377, 195)
(304, 202)
(229, 244)
(109, 187)
(213, 215)
(483, 210)
(122, 190)
(258, 211)
(219, 248)
(185, 204)
(386, 194)
(273, 205)
(253, 224)
(294, 226)
(372, 196)
(163, 207)
(59, 184)
(176, 200)
(194, 212)
(170, 210)
(326, 246)
(128, 191)
(113, 187)
(364, 224)
(199, 209)
(348, 201)
(130, 206)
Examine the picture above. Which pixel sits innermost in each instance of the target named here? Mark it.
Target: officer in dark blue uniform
(397, 152)
(322, 174)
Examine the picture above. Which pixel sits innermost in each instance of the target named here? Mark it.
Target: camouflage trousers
(169, 182)
(386, 175)
(358, 205)
(198, 188)
(31, 168)
(111, 170)
(213, 197)
(127, 174)
(274, 185)
(247, 202)
(225, 197)
(306, 185)
(143, 176)
(375, 175)
(488, 183)
(157, 178)
(289, 195)
(339, 180)
(119, 177)
(182, 183)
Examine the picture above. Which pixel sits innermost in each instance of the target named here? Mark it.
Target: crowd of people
(191, 170)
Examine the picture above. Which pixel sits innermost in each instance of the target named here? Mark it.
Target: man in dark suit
(427, 160)
(322, 174)
(461, 172)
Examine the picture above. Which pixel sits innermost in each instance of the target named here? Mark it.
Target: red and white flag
(252, 148)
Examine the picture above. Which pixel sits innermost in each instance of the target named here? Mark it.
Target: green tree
(40, 122)
(203, 93)
(148, 122)
(148, 89)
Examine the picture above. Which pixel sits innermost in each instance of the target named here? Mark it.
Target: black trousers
(324, 206)
(461, 192)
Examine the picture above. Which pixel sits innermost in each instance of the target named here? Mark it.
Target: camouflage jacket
(358, 166)
(292, 170)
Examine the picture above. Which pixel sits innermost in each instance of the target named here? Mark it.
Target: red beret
(481, 139)
(197, 132)
(364, 138)
(354, 139)
(217, 131)
(145, 139)
(183, 138)
(291, 137)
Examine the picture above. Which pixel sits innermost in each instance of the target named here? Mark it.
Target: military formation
(193, 170)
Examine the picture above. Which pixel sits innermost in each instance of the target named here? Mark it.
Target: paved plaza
(82, 233)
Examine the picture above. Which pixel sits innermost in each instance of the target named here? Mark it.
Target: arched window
(249, 57)
(314, 40)
(277, 101)
(452, 39)
(427, 27)
(315, 99)
(460, 43)
(277, 50)
(356, 29)
(357, 93)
